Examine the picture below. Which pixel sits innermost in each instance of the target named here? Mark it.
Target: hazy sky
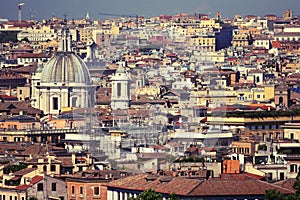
(78, 8)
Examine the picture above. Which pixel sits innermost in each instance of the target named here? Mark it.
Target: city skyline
(78, 9)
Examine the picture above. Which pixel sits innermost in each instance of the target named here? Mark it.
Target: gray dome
(65, 67)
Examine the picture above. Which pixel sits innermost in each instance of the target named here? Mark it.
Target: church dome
(65, 67)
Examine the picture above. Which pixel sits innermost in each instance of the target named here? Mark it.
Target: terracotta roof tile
(162, 184)
(219, 187)
(288, 184)
(23, 171)
(66, 161)
(33, 181)
(197, 188)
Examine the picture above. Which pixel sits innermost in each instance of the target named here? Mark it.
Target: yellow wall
(269, 92)
(152, 91)
(295, 132)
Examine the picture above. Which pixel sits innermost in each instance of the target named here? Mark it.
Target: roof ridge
(198, 184)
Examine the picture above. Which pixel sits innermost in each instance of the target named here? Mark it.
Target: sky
(77, 9)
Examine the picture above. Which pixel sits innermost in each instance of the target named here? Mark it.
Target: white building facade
(63, 82)
(120, 98)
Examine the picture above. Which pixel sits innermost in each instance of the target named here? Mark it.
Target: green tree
(296, 185)
(173, 197)
(149, 194)
(274, 195)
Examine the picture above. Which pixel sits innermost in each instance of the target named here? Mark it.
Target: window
(280, 100)
(81, 190)
(53, 186)
(20, 92)
(40, 187)
(241, 150)
(16, 198)
(55, 103)
(74, 101)
(118, 89)
(73, 189)
(293, 168)
(263, 137)
(247, 150)
(235, 149)
(258, 96)
(281, 175)
(277, 135)
(96, 191)
(270, 176)
(257, 79)
(270, 136)
(53, 168)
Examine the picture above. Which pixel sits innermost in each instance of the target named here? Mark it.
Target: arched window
(280, 100)
(292, 136)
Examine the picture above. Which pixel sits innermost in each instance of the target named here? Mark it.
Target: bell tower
(120, 97)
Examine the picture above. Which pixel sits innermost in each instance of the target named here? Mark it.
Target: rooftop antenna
(20, 11)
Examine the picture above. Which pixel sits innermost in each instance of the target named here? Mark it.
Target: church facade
(64, 82)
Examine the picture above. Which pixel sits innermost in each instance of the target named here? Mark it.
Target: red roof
(23, 187)
(36, 179)
(254, 176)
(4, 96)
(217, 187)
(15, 178)
(171, 55)
(233, 186)
(33, 181)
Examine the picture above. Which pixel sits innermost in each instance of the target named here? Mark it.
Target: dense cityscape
(184, 106)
